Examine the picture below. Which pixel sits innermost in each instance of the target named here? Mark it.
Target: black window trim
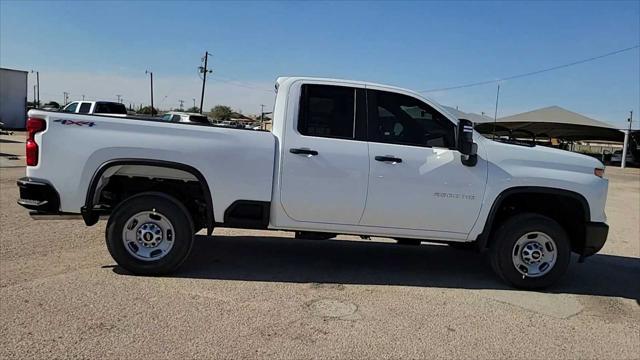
(372, 111)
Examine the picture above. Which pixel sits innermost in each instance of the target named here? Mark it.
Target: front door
(417, 180)
(325, 165)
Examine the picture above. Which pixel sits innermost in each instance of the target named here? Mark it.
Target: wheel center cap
(149, 235)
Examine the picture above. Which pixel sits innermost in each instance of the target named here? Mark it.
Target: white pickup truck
(344, 157)
(96, 108)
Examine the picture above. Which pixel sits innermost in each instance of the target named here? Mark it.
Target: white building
(13, 98)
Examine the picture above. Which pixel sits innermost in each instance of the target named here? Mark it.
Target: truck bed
(237, 164)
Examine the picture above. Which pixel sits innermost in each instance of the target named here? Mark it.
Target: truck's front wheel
(530, 251)
(150, 234)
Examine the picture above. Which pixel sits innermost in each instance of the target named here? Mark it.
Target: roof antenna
(495, 114)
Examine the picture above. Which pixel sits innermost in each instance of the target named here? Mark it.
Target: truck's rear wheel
(530, 251)
(150, 234)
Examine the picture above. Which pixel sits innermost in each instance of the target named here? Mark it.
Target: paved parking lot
(256, 294)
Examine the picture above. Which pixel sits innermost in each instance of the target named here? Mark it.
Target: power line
(237, 83)
(532, 72)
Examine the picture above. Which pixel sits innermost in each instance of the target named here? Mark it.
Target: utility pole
(66, 97)
(119, 98)
(261, 116)
(204, 72)
(181, 104)
(38, 83)
(623, 161)
(37, 100)
(194, 103)
(82, 97)
(495, 114)
(151, 73)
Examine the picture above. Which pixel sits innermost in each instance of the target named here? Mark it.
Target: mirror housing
(465, 136)
(466, 146)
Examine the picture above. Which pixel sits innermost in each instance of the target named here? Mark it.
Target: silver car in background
(185, 117)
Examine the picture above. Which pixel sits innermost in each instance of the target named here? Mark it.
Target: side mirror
(466, 146)
(465, 136)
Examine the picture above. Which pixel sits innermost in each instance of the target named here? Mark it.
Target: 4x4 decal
(74, 122)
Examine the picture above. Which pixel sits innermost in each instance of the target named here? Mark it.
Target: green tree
(52, 104)
(193, 109)
(147, 110)
(221, 112)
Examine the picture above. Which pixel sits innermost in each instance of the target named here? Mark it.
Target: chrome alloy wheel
(534, 254)
(148, 236)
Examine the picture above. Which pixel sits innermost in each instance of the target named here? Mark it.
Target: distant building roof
(554, 122)
(22, 71)
(555, 114)
(476, 118)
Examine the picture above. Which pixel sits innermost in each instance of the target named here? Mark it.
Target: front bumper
(38, 195)
(594, 239)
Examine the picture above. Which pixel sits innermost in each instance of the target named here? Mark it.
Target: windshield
(71, 108)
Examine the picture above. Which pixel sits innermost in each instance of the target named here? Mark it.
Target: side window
(84, 108)
(175, 118)
(110, 108)
(200, 119)
(400, 119)
(327, 111)
(71, 108)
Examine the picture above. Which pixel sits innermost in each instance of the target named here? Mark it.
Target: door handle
(388, 159)
(303, 152)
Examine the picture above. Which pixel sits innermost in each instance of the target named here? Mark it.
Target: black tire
(407, 241)
(310, 235)
(464, 246)
(502, 246)
(173, 210)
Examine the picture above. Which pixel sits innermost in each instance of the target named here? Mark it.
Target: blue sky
(101, 49)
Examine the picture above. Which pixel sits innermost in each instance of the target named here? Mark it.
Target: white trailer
(13, 98)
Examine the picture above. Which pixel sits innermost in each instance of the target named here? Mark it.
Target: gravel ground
(257, 294)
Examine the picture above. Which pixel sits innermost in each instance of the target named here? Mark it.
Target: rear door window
(85, 107)
(198, 119)
(327, 111)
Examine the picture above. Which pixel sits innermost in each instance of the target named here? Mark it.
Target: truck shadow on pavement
(280, 259)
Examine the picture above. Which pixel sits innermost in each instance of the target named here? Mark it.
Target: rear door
(325, 164)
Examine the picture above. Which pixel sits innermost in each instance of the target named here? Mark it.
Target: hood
(539, 156)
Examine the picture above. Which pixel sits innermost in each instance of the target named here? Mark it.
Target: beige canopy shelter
(553, 122)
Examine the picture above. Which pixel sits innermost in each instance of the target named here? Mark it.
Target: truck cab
(96, 107)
